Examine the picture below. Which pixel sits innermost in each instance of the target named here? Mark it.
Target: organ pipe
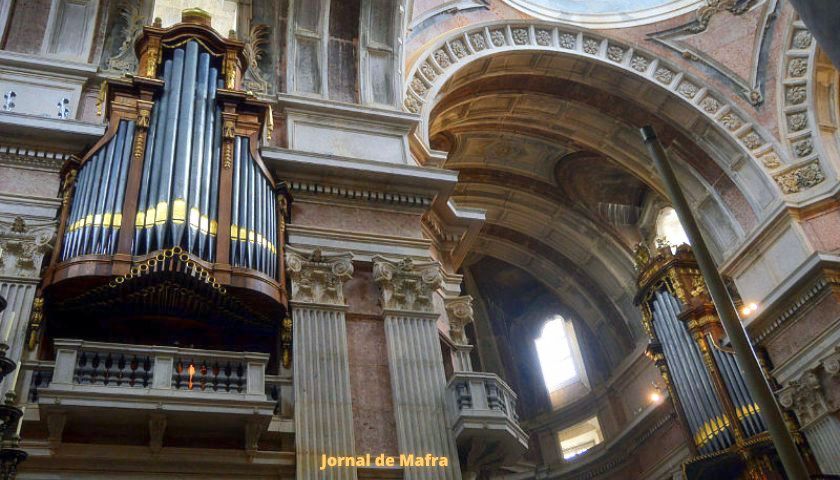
(686, 335)
(176, 128)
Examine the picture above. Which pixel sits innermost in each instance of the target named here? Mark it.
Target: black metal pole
(744, 353)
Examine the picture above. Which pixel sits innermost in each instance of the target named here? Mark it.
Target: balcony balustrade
(482, 412)
(200, 391)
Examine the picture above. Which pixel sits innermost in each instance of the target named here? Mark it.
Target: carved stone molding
(23, 246)
(318, 277)
(460, 312)
(800, 178)
(687, 40)
(797, 109)
(444, 58)
(405, 284)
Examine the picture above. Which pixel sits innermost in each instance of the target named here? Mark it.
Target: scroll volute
(195, 25)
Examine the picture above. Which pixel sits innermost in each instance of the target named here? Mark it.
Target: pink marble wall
(362, 294)
(36, 183)
(370, 386)
(824, 314)
(355, 219)
(823, 231)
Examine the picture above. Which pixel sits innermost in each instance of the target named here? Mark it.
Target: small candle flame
(191, 371)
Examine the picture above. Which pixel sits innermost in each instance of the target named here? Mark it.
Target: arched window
(557, 358)
(669, 228)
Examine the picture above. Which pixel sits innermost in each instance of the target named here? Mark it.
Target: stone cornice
(317, 277)
(406, 285)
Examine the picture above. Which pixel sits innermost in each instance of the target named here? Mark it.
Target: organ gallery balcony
(197, 393)
(482, 412)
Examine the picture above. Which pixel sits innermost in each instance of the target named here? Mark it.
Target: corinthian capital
(405, 284)
(460, 313)
(318, 277)
(805, 397)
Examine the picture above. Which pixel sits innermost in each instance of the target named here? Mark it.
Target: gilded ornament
(101, 98)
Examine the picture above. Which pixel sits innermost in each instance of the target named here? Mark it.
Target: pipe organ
(705, 385)
(178, 170)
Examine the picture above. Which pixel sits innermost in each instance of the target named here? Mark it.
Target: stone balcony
(191, 392)
(482, 412)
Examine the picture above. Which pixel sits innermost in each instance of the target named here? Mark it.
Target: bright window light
(579, 438)
(668, 226)
(555, 354)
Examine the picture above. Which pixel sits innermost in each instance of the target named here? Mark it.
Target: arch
(441, 60)
(800, 101)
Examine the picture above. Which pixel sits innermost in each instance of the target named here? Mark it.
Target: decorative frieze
(317, 277)
(405, 284)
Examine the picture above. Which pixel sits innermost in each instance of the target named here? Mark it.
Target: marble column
(459, 310)
(417, 378)
(323, 410)
(23, 246)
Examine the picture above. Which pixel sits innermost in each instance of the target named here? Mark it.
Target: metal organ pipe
(714, 410)
(179, 188)
(183, 150)
(197, 157)
(122, 178)
(161, 127)
(162, 215)
(677, 364)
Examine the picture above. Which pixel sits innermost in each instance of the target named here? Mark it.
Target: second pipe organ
(703, 379)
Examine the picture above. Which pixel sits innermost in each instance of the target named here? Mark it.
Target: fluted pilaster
(323, 409)
(417, 376)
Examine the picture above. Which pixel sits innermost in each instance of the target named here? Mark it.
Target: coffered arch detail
(431, 70)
